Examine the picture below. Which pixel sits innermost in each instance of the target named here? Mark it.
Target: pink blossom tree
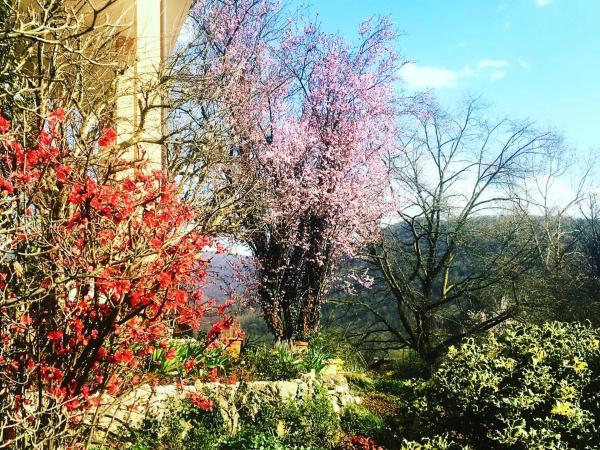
(313, 119)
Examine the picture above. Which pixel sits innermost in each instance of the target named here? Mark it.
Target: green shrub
(335, 345)
(434, 443)
(356, 419)
(284, 363)
(316, 357)
(302, 424)
(361, 381)
(279, 363)
(187, 349)
(403, 364)
(530, 387)
(312, 421)
(384, 385)
(249, 440)
(390, 386)
(182, 427)
(309, 422)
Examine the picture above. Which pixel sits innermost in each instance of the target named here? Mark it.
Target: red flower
(32, 157)
(155, 242)
(109, 136)
(113, 386)
(126, 356)
(144, 296)
(221, 309)
(199, 401)
(129, 185)
(58, 115)
(214, 377)
(218, 328)
(95, 401)
(164, 279)
(72, 404)
(180, 296)
(4, 125)
(122, 286)
(357, 442)
(44, 140)
(171, 354)
(77, 194)
(51, 373)
(62, 173)
(189, 365)
(6, 186)
(55, 335)
(26, 319)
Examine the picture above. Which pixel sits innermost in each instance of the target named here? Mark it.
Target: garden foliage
(100, 262)
(530, 387)
(308, 424)
(283, 362)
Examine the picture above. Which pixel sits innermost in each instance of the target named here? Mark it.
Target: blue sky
(536, 59)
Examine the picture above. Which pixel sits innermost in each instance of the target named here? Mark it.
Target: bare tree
(588, 235)
(451, 260)
(61, 55)
(555, 212)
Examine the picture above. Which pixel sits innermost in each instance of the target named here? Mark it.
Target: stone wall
(151, 401)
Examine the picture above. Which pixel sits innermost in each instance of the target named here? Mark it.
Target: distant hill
(228, 276)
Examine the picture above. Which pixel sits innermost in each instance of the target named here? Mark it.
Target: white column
(149, 58)
(153, 29)
(137, 88)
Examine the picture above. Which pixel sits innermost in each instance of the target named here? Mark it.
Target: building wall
(153, 27)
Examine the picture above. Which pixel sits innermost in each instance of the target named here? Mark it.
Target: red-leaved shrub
(100, 261)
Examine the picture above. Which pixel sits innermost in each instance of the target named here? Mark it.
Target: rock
(304, 390)
(287, 390)
(229, 398)
(309, 377)
(332, 366)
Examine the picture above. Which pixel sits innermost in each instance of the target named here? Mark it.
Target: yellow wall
(148, 31)
(154, 26)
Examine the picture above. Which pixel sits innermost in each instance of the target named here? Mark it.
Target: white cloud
(498, 75)
(419, 77)
(542, 3)
(491, 69)
(491, 63)
(524, 64)
(423, 77)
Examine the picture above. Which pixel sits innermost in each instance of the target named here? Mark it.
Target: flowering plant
(314, 120)
(100, 262)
